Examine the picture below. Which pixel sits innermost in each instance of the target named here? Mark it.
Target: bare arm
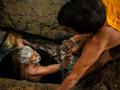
(91, 53)
(21, 42)
(43, 70)
(82, 64)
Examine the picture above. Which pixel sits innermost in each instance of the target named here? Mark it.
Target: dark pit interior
(8, 69)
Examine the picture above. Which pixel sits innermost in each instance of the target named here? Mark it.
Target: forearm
(85, 68)
(43, 70)
(27, 43)
(22, 42)
(56, 67)
(87, 59)
(53, 68)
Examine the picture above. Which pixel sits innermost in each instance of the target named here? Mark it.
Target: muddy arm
(91, 53)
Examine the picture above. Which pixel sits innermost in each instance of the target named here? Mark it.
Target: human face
(35, 58)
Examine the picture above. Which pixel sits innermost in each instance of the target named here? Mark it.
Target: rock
(38, 17)
(31, 16)
(10, 84)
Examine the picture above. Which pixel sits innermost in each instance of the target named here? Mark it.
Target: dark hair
(85, 16)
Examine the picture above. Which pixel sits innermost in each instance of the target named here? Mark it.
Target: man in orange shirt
(97, 24)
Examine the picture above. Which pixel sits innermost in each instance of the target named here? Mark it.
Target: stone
(32, 16)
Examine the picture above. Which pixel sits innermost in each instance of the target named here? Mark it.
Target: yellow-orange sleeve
(112, 13)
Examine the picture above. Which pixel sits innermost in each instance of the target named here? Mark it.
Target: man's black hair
(85, 16)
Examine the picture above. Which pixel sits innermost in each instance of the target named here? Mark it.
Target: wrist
(76, 37)
(64, 64)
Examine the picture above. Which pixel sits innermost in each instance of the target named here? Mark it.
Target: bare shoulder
(107, 32)
(108, 36)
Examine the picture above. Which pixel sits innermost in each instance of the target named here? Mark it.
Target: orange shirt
(112, 13)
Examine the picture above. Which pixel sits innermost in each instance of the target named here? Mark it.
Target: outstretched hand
(65, 61)
(68, 46)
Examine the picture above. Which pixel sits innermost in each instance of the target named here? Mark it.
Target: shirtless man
(29, 58)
